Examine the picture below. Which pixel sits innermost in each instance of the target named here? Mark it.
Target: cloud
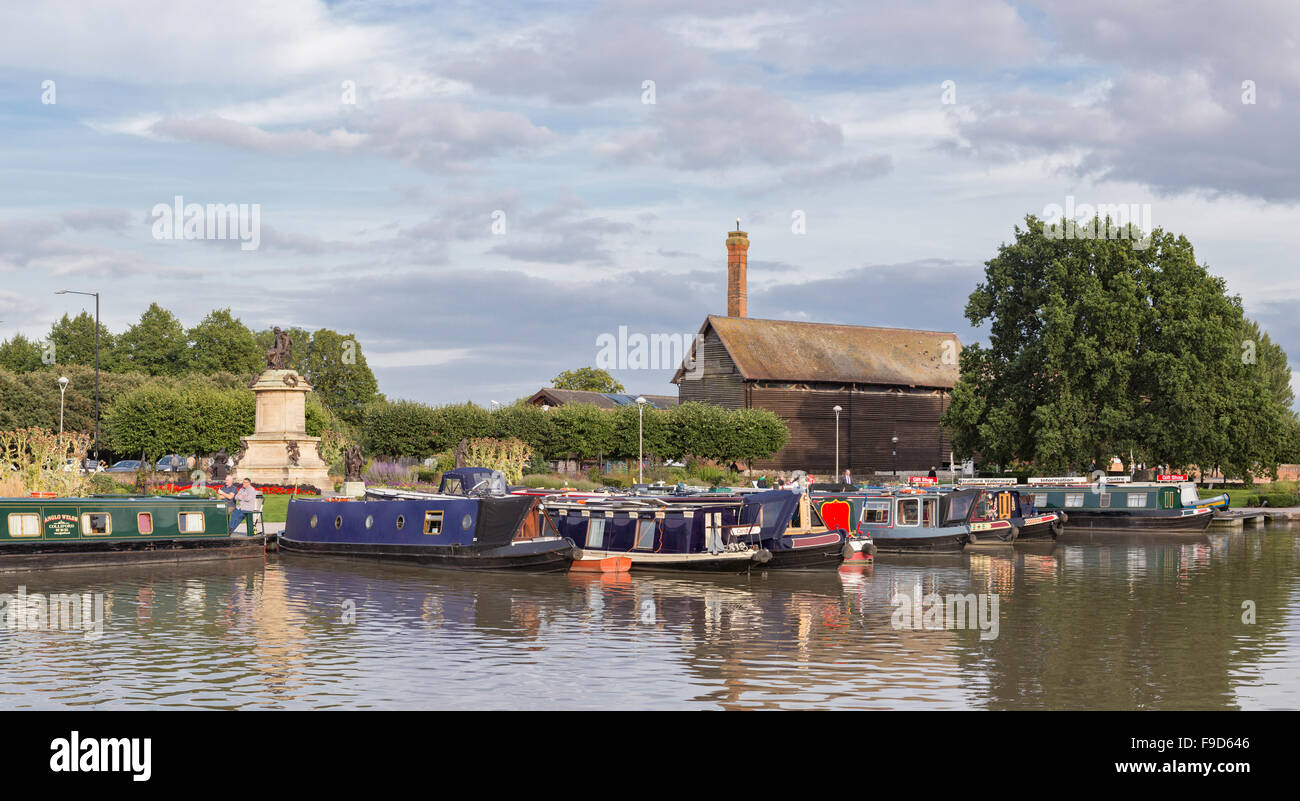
(718, 128)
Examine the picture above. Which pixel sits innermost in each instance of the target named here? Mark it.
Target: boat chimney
(737, 260)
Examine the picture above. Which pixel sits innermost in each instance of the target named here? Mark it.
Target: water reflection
(1126, 623)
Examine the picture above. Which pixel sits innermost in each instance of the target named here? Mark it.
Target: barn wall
(870, 418)
(720, 382)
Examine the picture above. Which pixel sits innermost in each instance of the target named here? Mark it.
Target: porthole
(401, 522)
(338, 522)
(370, 521)
(313, 521)
(466, 522)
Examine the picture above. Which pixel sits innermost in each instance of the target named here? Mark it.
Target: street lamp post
(63, 385)
(837, 411)
(96, 296)
(894, 441)
(640, 437)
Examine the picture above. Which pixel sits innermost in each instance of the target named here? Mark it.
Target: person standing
(848, 477)
(933, 474)
(245, 505)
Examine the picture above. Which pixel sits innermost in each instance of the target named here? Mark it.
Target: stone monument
(279, 450)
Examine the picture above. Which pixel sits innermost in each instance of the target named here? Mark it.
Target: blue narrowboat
(803, 531)
(914, 520)
(469, 524)
(686, 533)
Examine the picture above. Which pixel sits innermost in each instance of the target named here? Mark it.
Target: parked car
(70, 466)
(92, 466)
(128, 466)
(172, 463)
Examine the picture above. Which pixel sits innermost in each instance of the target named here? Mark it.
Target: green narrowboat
(1121, 507)
(47, 532)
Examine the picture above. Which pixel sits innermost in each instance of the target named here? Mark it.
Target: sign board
(1059, 480)
(987, 482)
(1171, 477)
(922, 480)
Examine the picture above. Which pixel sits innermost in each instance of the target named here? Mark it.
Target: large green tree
(588, 379)
(73, 339)
(222, 342)
(335, 366)
(20, 354)
(1100, 348)
(156, 345)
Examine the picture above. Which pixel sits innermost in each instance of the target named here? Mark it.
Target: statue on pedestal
(277, 358)
(353, 464)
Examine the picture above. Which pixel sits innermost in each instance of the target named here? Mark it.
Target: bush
(1279, 499)
(387, 473)
(427, 475)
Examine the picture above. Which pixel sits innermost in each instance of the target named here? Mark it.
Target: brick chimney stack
(737, 260)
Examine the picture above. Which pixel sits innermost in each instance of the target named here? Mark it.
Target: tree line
(159, 346)
(1098, 348)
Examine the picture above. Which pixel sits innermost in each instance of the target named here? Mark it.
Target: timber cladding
(870, 418)
(888, 382)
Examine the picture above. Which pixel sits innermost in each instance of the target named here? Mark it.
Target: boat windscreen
(957, 506)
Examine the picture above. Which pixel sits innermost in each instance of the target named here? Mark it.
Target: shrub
(387, 473)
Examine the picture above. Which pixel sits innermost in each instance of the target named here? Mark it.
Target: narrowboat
(917, 520)
(469, 524)
(698, 534)
(803, 531)
(1123, 507)
(1017, 509)
(47, 532)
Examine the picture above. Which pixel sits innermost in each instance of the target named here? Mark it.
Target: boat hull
(1042, 527)
(1122, 523)
(47, 555)
(946, 542)
(546, 555)
(724, 562)
(809, 552)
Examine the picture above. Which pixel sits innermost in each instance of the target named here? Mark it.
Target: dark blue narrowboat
(469, 524)
(690, 534)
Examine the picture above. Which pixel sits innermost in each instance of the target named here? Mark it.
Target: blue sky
(376, 215)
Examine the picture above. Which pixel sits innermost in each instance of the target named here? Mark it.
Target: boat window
(929, 509)
(1040, 499)
(452, 486)
(1073, 499)
(1104, 500)
(433, 521)
(313, 522)
(645, 534)
(1137, 499)
(24, 525)
(876, 512)
(338, 522)
(909, 511)
(96, 523)
(401, 522)
(595, 532)
(144, 523)
(190, 522)
(370, 521)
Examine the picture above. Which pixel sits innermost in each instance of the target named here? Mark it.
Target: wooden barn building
(888, 382)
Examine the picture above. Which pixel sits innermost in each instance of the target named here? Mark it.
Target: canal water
(1130, 622)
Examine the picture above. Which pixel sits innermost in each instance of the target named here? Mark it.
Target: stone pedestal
(282, 423)
(353, 489)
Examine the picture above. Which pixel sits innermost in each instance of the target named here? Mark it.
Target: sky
(479, 192)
